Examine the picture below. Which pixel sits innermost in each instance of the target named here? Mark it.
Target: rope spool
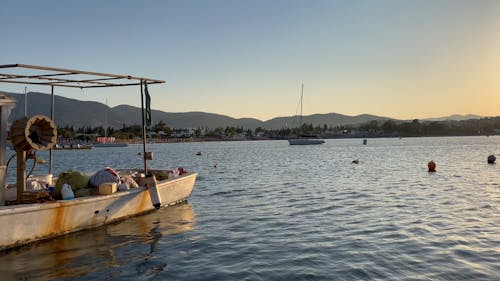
(38, 133)
(26, 134)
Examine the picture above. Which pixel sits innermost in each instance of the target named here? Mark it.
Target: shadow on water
(112, 250)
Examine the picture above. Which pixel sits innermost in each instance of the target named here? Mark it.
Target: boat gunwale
(33, 207)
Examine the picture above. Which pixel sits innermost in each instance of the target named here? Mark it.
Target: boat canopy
(62, 77)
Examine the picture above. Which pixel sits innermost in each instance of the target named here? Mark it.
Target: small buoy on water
(432, 166)
(199, 153)
(41, 161)
(491, 159)
(355, 161)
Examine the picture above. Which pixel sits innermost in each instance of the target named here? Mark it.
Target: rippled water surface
(266, 210)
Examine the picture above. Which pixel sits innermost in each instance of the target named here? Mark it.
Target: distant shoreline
(189, 140)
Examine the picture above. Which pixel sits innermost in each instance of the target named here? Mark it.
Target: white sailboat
(304, 139)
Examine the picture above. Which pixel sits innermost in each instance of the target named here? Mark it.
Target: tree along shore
(162, 133)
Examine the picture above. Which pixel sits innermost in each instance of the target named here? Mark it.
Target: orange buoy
(432, 166)
(41, 161)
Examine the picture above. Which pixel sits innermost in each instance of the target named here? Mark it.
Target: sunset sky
(400, 59)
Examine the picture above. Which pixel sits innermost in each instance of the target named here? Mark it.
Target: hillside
(455, 117)
(76, 113)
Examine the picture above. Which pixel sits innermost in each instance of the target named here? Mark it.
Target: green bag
(75, 179)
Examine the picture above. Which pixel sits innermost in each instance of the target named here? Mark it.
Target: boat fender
(431, 166)
(152, 187)
(491, 159)
(67, 192)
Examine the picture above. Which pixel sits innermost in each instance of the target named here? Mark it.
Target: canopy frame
(70, 78)
(52, 76)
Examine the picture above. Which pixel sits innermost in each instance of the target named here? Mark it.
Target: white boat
(110, 144)
(70, 146)
(25, 223)
(304, 139)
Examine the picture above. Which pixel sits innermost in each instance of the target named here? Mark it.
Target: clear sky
(399, 58)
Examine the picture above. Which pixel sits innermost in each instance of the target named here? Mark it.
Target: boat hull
(72, 147)
(305, 141)
(26, 223)
(109, 144)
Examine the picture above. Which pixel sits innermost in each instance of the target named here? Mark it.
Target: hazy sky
(401, 59)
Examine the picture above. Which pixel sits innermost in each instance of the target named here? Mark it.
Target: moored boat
(25, 221)
(36, 221)
(71, 146)
(110, 144)
(304, 139)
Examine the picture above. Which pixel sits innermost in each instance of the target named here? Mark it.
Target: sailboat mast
(301, 96)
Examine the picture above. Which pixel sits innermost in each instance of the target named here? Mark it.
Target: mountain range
(76, 113)
(455, 117)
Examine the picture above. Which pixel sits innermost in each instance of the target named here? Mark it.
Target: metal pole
(20, 174)
(6, 103)
(52, 118)
(25, 102)
(143, 131)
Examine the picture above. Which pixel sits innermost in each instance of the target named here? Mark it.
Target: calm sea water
(270, 211)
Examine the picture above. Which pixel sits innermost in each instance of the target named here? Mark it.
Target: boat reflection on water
(111, 246)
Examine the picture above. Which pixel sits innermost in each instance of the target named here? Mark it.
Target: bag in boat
(75, 179)
(105, 175)
(37, 183)
(129, 181)
(34, 185)
(175, 173)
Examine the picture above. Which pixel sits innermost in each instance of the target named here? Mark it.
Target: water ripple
(270, 211)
